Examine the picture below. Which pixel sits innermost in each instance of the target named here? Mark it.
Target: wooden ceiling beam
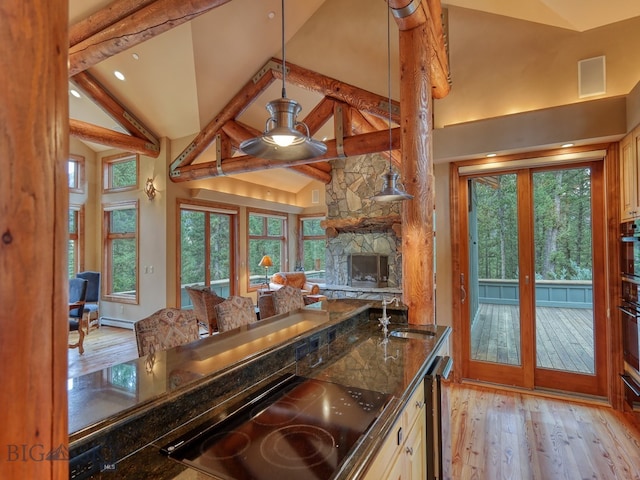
(358, 98)
(408, 17)
(355, 145)
(96, 91)
(155, 18)
(234, 108)
(104, 136)
(104, 18)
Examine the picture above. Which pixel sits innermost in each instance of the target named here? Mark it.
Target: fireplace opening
(368, 270)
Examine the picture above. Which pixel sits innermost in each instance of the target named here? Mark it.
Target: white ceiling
(181, 79)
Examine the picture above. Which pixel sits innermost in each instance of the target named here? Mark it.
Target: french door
(207, 249)
(532, 276)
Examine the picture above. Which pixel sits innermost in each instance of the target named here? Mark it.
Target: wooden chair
(204, 306)
(164, 329)
(91, 305)
(287, 299)
(234, 312)
(77, 295)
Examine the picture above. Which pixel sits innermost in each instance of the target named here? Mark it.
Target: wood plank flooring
(506, 435)
(103, 347)
(564, 337)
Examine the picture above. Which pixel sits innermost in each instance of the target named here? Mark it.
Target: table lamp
(266, 263)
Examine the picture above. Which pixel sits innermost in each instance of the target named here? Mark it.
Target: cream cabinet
(630, 176)
(403, 456)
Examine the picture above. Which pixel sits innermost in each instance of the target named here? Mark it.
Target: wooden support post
(34, 150)
(417, 174)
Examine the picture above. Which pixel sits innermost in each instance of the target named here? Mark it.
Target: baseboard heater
(116, 322)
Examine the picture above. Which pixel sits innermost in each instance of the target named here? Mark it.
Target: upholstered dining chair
(164, 329)
(77, 295)
(286, 299)
(234, 312)
(204, 306)
(91, 305)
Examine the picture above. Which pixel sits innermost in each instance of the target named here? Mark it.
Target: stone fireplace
(357, 225)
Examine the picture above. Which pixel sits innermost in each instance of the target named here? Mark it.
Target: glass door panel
(564, 270)
(220, 254)
(494, 297)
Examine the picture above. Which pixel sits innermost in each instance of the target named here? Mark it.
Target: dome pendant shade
(281, 140)
(390, 192)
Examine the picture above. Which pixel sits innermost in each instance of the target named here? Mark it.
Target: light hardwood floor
(498, 434)
(103, 347)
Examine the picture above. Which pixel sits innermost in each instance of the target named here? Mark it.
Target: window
(76, 240)
(120, 172)
(207, 249)
(313, 247)
(75, 171)
(267, 236)
(121, 251)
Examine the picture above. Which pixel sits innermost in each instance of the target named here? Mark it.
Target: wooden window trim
(283, 239)
(107, 208)
(79, 160)
(107, 163)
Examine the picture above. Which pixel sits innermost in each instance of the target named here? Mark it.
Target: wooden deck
(564, 337)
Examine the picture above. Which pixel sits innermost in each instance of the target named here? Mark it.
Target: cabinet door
(416, 449)
(628, 181)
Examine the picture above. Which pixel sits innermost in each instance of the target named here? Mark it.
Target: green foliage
(124, 174)
(562, 225)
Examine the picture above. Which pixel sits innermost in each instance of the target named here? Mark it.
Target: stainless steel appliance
(437, 418)
(630, 302)
(295, 428)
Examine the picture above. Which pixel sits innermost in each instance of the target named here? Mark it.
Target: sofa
(294, 279)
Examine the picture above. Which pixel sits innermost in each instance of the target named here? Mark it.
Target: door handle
(463, 292)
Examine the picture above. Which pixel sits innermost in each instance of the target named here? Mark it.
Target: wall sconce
(150, 189)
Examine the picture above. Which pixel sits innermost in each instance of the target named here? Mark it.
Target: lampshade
(390, 192)
(281, 139)
(266, 261)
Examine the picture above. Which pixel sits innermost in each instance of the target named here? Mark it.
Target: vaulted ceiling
(178, 81)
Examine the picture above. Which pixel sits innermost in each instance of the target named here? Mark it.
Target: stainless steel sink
(419, 334)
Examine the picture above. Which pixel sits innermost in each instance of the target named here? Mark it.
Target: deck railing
(549, 293)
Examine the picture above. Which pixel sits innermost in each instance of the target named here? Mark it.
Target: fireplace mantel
(333, 227)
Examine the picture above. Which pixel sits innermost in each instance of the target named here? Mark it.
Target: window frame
(208, 208)
(107, 172)
(302, 237)
(107, 239)
(77, 237)
(266, 214)
(79, 183)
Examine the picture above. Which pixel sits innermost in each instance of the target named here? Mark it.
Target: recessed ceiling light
(75, 93)
(491, 155)
(135, 56)
(271, 15)
(567, 145)
(119, 75)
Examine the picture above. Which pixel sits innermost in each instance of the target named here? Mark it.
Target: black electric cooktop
(296, 428)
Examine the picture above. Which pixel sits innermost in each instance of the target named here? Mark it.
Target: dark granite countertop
(351, 351)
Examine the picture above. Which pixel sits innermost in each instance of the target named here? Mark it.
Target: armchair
(204, 302)
(91, 306)
(234, 312)
(293, 279)
(77, 296)
(164, 329)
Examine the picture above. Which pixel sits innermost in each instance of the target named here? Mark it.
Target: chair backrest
(234, 312)
(93, 288)
(204, 305)
(287, 299)
(77, 293)
(265, 306)
(164, 329)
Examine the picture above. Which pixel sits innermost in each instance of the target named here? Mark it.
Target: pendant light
(390, 192)
(281, 139)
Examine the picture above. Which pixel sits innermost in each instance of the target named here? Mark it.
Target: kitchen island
(346, 349)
